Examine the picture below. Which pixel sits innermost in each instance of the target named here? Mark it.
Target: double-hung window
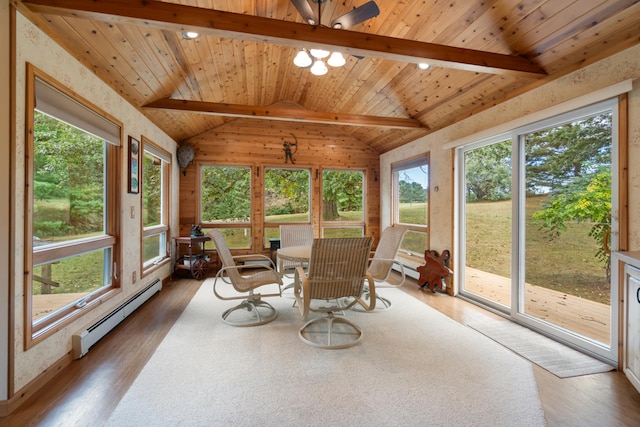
(155, 205)
(72, 170)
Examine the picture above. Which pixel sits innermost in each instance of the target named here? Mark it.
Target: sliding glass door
(486, 222)
(536, 226)
(565, 212)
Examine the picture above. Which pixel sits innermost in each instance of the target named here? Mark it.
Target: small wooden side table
(195, 260)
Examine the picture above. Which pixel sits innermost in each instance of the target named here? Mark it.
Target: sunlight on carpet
(415, 366)
(553, 356)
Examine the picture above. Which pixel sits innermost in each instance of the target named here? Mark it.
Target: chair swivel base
(382, 304)
(256, 312)
(338, 332)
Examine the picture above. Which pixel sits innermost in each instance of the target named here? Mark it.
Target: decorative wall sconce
(186, 153)
(290, 148)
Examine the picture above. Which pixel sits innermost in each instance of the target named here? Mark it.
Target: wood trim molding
(623, 172)
(21, 396)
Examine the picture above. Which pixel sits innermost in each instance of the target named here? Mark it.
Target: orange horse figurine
(434, 270)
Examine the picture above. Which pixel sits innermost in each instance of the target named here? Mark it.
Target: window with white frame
(155, 204)
(541, 192)
(71, 211)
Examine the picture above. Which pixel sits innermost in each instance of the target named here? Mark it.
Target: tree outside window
(342, 203)
(155, 204)
(287, 199)
(70, 209)
(225, 200)
(411, 205)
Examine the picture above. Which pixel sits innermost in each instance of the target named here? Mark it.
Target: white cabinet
(631, 362)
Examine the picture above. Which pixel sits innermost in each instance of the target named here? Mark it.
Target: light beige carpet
(553, 356)
(415, 367)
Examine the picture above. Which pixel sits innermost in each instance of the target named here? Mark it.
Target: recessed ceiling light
(424, 66)
(189, 35)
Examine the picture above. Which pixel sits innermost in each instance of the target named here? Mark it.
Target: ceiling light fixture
(190, 35)
(318, 68)
(424, 66)
(318, 59)
(314, 58)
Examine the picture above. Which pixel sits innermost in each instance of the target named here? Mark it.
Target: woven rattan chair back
(337, 271)
(338, 267)
(383, 258)
(294, 235)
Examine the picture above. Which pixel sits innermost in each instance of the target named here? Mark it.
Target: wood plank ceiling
(482, 53)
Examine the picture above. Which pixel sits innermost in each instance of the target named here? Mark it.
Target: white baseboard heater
(83, 341)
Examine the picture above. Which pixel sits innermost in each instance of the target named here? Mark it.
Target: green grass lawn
(566, 264)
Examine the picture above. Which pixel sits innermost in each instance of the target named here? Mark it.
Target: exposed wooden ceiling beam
(177, 17)
(282, 113)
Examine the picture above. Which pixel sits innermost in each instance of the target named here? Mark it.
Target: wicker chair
(337, 269)
(245, 282)
(294, 235)
(380, 265)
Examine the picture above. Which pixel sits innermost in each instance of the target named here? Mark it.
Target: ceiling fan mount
(348, 20)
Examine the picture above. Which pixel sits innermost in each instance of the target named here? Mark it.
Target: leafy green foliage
(570, 164)
(558, 155)
(573, 164)
(225, 193)
(412, 192)
(151, 190)
(68, 167)
(286, 192)
(341, 192)
(586, 199)
(488, 173)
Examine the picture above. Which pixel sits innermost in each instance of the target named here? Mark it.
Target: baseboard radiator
(83, 341)
(408, 271)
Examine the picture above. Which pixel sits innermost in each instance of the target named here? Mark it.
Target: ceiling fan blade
(305, 10)
(356, 16)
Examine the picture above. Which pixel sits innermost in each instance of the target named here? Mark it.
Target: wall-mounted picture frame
(134, 162)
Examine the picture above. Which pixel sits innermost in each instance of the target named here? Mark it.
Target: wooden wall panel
(259, 144)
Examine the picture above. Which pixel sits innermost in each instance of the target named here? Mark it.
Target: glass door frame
(459, 220)
(515, 312)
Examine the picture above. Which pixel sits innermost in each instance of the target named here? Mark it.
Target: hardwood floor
(85, 392)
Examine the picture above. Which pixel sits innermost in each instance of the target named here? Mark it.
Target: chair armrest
(301, 291)
(393, 261)
(249, 266)
(220, 275)
(372, 295)
(253, 257)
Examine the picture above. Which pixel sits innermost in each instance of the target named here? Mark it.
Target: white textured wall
(35, 47)
(604, 73)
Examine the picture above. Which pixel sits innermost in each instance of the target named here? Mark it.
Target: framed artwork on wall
(134, 161)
